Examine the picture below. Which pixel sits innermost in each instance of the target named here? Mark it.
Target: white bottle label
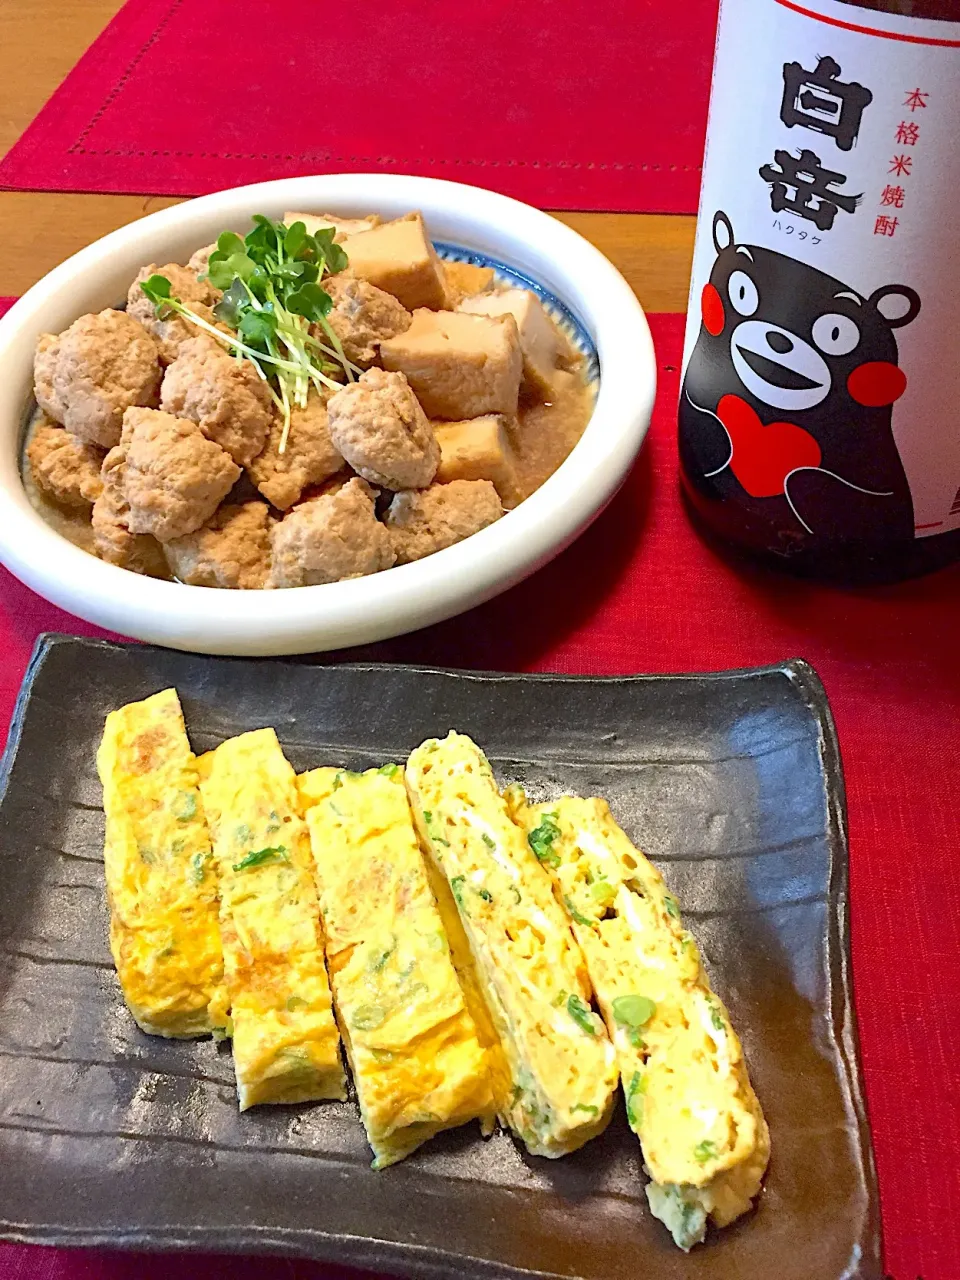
(823, 339)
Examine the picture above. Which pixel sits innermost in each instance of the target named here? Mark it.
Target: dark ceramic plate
(731, 782)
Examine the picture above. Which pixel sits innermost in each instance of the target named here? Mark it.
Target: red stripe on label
(868, 31)
(935, 525)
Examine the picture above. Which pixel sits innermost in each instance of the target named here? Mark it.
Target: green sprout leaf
(335, 256)
(258, 328)
(309, 300)
(705, 1151)
(293, 241)
(230, 307)
(224, 268)
(158, 290)
(389, 770)
(585, 1106)
(228, 243)
(272, 295)
(581, 1014)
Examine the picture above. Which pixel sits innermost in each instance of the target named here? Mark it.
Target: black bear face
(795, 342)
(785, 419)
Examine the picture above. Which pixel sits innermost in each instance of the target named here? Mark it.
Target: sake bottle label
(821, 372)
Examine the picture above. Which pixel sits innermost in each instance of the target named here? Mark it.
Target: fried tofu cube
(343, 227)
(398, 257)
(540, 340)
(464, 279)
(459, 366)
(479, 449)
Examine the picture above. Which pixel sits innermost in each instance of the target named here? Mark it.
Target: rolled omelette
(286, 1047)
(689, 1100)
(562, 1067)
(160, 874)
(417, 1062)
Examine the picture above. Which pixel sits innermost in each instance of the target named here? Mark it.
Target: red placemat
(569, 104)
(639, 592)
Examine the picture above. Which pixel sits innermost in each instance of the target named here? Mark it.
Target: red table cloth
(569, 104)
(640, 592)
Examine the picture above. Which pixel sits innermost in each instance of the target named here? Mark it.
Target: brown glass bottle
(820, 402)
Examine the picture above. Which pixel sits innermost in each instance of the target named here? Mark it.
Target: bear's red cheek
(877, 383)
(711, 308)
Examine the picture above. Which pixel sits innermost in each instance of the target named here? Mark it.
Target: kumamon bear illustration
(785, 410)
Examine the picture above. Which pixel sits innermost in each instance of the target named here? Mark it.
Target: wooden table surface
(40, 40)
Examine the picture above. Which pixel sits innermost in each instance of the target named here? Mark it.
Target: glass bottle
(819, 416)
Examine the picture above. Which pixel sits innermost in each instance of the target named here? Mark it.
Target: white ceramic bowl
(402, 599)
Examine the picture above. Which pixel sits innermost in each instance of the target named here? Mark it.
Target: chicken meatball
(362, 316)
(309, 457)
(169, 475)
(379, 427)
(225, 397)
(114, 543)
(170, 330)
(87, 376)
(231, 550)
(64, 469)
(424, 522)
(329, 538)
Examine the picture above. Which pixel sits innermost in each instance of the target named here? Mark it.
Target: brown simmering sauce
(545, 432)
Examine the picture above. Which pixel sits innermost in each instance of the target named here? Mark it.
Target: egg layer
(161, 885)
(689, 1100)
(285, 1040)
(416, 1059)
(562, 1066)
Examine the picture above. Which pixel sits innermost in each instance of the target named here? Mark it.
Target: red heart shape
(763, 456)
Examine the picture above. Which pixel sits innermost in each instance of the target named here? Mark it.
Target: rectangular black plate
(731, 782)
